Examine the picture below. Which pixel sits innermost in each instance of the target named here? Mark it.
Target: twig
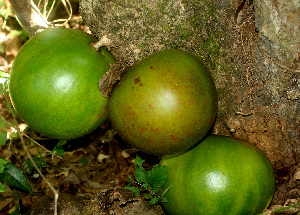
(35, 142)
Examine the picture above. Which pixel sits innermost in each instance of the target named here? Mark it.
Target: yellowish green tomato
(53, 83)
(219, 176)
(165, 103)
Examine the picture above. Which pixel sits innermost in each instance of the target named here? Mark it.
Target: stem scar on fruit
(104, 41)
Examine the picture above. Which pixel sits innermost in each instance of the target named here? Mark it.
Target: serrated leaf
(139, 171)
(157, 176)
(14, 177)
(154, 201)
(150, 181)
(136, 190)
(145, 186)
(2, 162)
(140, 175)
(138, 161)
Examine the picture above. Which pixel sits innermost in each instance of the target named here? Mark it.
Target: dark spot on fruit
(137, 80)
(173, 138)
(141, 84)
(151, 67)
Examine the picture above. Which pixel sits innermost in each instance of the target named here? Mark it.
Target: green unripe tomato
(165, 103)
(53, 83)
(219, 176)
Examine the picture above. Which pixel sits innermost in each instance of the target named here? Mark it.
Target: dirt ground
(101, 181)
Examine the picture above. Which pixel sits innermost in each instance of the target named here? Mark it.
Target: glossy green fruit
(165, 103)
(219, 176)
(53, 83)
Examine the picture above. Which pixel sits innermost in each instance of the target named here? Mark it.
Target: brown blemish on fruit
(174, 139)
(151, 67)
(137, 80)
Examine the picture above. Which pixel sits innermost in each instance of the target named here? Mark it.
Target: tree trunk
(29, 16)
(252, 54)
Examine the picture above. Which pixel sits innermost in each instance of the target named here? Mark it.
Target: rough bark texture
(253, 57)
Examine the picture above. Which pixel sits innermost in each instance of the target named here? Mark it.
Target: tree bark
(29, 16)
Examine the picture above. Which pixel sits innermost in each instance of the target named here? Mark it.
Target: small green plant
(58, 149)
(84, 161)
(148, 181)
(12, 176)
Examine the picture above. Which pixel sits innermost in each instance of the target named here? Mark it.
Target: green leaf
(129, 179)
(163, 200)
(139, 171)
(13, 135)
(2, 188)
(150, 181)
(14, 177)
(145, 186)
(84, 161)
(139, 161)
(155, 189)
(28, 166)
(3, 132)
(157, 176)
(148, 196)
(2, 162)
(140, 175)
(136, 190)
(3, 137)
(154, 201)
(59, 149)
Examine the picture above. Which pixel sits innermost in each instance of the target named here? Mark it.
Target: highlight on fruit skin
(220, 175)
(53, 83)
(165, 103)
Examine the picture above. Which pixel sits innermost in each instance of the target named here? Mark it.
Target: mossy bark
(258, 96)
